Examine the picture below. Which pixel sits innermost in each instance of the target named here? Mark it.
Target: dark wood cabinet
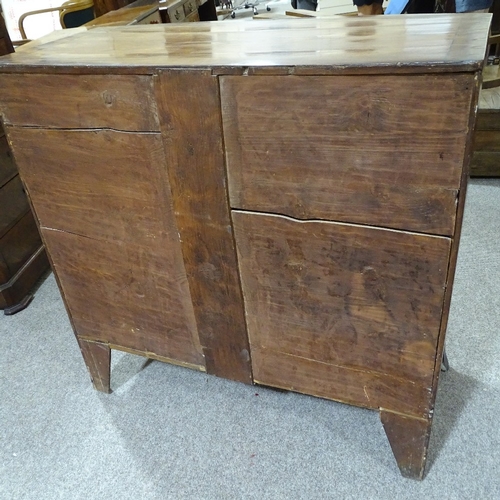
(22, 256)
(275, 202)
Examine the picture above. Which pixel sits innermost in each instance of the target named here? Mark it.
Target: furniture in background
(22, 256)
(72, 14)
(102, 7)
(486, 157)
(138, 12)
(6, 46)
(154, 12)
(286, 214)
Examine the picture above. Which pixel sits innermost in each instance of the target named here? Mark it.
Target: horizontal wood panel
(100, 184)
(7, 166)
(19, 243)
(359, 388)
(91, 101)
(363, 303)
(131, 295)
(374, 150)
(421, 43)
(13, 204)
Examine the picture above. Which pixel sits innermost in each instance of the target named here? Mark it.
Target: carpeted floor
(171, 433)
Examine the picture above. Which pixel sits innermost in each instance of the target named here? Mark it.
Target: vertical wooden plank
(97, 357)
(191, 124)
(469, 148)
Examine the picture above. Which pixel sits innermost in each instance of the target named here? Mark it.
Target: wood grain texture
(101, 184)
(126, 294)
(424, 43)
(340, 311)
(97, 357)
(13, 204)
(472, 113)
(190, 109)
(105, 209)
(382, 151)
(409, 439)
(92, 101)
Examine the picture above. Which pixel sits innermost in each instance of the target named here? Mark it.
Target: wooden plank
(92, 101)
(101, 184)
(382, 150)
(103, 201)
(420, 43)
(191, 125)
(346, 312)
(466, 160)
(125, 294)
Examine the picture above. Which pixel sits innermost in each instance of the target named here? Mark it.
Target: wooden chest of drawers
(275, 202)
(22, 256)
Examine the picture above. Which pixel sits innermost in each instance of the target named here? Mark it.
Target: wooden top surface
(123, 16)
(432, 42)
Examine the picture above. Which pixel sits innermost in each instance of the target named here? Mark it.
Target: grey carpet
(171, 433)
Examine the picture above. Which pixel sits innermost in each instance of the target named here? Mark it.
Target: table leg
(97, 357)
(409, 440)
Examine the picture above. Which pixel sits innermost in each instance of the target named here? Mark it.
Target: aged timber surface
(106, 216)
(91, 101)
(189, 105)
(340, 311)
(417, 43)
(382, 151)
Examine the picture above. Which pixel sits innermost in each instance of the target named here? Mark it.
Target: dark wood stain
(409, 440)
(352, 149)
(93, 101)
(97, 357)
(344, 312)
(190, 110)
(101, 197)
